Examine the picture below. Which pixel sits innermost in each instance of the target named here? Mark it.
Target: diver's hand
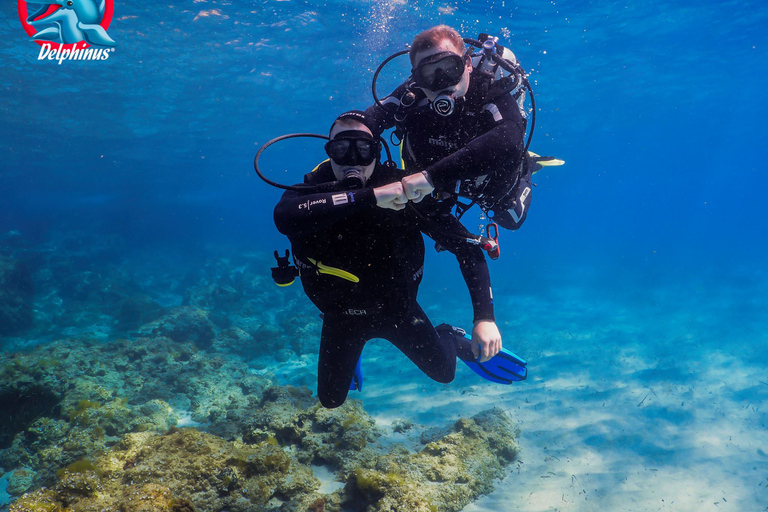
(417, 186)
(390, 196)
(486, 340)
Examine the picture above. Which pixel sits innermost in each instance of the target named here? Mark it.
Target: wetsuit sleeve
(296, 212)
(502, 143)
(384, 116)
(446, 230)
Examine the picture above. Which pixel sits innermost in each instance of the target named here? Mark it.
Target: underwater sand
(626, 408)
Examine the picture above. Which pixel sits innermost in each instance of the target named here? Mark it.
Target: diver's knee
(446, 376)
(331, 402)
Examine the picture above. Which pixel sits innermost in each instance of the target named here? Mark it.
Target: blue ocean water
(642, 259)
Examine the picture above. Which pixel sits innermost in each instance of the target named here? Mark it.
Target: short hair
(432, 37)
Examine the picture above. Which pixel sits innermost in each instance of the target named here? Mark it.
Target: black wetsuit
(385, 250)
(480, 138)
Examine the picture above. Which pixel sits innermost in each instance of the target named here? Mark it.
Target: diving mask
(439, 71)
(352, 147)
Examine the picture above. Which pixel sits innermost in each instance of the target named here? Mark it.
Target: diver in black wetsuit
(457, 130)
(361, 264)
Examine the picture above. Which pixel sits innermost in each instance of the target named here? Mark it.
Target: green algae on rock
(183, 324)
(70, 400)
(102, 414)
(194, 470)
(340, 437)
(447, 475)
(183, 469)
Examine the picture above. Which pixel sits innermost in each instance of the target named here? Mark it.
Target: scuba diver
(461, 123)
(358, 249)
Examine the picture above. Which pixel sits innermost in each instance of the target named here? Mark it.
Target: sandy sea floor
(627, 408)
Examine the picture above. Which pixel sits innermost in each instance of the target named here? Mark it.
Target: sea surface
(637, 288)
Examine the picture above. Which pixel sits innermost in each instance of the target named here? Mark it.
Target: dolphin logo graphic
(74, 21)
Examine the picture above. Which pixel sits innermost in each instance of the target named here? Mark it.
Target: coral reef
(182, 324)
(240, 294)
(269, 468)
(71, 398)
(181, 470)
(138, 310)
(340, 438)
(99, 434)
(445, 476)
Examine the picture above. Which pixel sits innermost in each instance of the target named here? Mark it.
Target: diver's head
(441, 66)
(352, 149)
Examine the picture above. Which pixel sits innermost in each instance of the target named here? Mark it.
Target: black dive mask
(439, 71)
(352, 147)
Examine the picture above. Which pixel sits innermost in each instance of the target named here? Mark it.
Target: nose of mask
(443, 80)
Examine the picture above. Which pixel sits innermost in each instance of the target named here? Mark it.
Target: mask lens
(366, 149)
(337, 149)
(439, 71)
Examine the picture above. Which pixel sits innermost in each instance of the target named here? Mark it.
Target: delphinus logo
(69, 29)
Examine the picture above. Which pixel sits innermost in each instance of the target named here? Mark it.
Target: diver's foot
(461, 340)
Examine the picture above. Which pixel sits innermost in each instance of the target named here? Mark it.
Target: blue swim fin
(503, 368)
(357, 378)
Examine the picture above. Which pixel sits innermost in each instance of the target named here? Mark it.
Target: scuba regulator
(352, 180)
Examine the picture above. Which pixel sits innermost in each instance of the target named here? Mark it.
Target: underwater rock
(81, 286)
(21, 403)
(234, 341)
(138, 310)
(446, 475)
(104, 435)
(181, 470)
(12, 240)
(16, 293)
(337, 437)
(72, 399)
(401, 426)
(240, 294)
(212, 296)
(20, 481)
(184, 325)
(270, 468)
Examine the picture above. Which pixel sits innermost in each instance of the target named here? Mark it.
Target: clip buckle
(491, 242)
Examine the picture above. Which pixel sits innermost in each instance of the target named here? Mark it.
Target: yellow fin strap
(539, 162)
(546, 161)
(325, 269)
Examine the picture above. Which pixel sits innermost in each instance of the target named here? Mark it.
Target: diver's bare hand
(417, 186)
(390, 196)
(486, 340)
